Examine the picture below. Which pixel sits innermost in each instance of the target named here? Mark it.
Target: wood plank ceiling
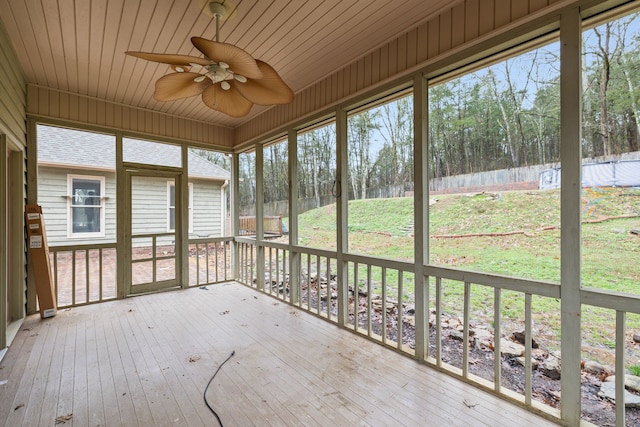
(78, 46)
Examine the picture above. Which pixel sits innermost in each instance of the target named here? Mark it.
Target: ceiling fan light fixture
(222, 63)
(217, 73)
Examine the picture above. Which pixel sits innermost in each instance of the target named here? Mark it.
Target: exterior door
(154, 231)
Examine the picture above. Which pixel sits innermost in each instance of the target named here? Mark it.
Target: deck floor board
(146, 361)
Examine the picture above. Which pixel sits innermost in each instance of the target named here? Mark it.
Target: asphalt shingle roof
(94, 150)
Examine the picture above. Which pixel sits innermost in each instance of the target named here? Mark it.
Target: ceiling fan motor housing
(217, 9)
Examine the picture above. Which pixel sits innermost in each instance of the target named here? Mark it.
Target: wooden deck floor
(146, 361)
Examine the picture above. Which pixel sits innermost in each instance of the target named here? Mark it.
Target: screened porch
(384, 250)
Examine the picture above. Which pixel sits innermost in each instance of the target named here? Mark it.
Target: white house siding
(150, 214)
(52, 196)
(207, 208)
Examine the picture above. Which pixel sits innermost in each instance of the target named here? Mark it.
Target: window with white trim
(86, 206)
(171, 206)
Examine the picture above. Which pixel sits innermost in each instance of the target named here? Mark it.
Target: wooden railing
(461, 304)
(84, 274)
(622, 305)
(379, 299)
(209, 261)
(376, 298)
(88, 274)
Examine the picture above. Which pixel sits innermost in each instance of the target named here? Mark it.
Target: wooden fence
(522, 178)
(272, 225)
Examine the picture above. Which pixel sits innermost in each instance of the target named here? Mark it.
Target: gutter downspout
(223, 203)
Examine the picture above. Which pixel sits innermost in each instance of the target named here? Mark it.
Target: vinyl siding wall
(207, 208)
(72, 108)
(13, 127)
(151, 215)
(150, 202)
(13, 92)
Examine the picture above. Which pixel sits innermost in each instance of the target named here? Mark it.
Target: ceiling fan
(229, 79)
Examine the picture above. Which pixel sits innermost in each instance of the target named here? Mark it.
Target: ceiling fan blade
(240, 62)
(268, 90)
(179, 85)
(229, 101)
(166, 58)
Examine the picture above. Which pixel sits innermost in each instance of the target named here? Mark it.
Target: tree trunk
(633, 129)
(605, 74)
(511, 140)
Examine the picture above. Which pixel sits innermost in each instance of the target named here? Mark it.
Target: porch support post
(294, 255)
(421, 214)
(259, 168)
(570, 241)
(123, 221)
(4, 244)
(32, 197)
(234, 203)
(342, 202)
(184, 219)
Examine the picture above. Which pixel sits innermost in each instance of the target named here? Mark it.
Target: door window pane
(171, 206)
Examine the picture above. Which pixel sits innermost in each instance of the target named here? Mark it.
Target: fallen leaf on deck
(64, 418)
